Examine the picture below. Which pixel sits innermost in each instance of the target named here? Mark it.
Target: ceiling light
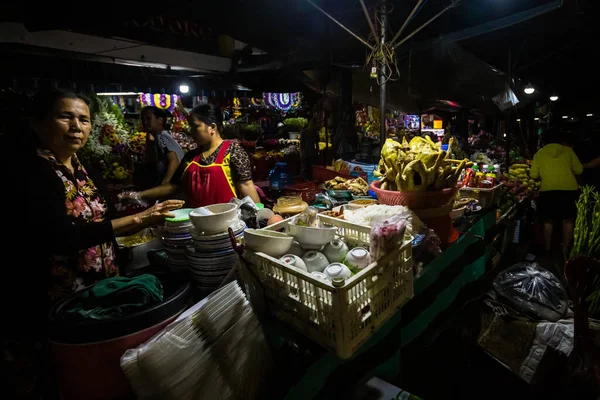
(565, 116)
(529, 89)
(184, 89)
(589, 115)
(518, 119)
(119, 93)
(553, 97)
(536, 119)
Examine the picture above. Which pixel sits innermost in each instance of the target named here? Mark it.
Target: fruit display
(358, 186)
(420, 165)
(518, 184)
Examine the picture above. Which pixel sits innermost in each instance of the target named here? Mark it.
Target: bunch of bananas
(418, 166)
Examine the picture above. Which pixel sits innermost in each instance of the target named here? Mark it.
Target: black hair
(553, 135)
(43, 102)
(159, 113)
(209, 114)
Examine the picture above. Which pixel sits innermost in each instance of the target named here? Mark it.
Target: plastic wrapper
(535, 291)
(309, 218)
(248, 211)
(215, 350)
(387, 237)
(133, 198)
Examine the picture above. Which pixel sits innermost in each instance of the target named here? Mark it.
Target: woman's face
(151, 123)
(200, 132)
(66, 128)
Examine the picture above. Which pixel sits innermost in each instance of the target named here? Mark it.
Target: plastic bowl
(414, 200)
(223, 215)
(312, 238)
(272, 243)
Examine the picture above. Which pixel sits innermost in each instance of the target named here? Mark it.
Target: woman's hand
(158, 212)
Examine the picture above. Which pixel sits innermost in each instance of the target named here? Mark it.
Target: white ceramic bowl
(315, 261)
(457, 213)
(272, 243)
(222, 216)
(312, 238)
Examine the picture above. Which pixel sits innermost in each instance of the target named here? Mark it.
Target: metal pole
(412, 13)
(363, 41)
(364, 8)
(382, 77)
(508, 133)
(413, 33)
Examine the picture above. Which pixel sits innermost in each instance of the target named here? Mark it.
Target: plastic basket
(487, 198)
(414, 200)
(340, 318)
(323, 174)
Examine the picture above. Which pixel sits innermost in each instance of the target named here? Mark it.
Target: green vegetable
(587, 224)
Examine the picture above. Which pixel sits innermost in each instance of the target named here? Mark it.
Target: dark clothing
(588, 150)
(152, 171)
(558, 204)
(37, 226)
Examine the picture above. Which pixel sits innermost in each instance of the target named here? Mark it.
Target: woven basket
(414, 200)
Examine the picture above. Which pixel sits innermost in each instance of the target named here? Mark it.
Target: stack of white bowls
(176, 238)
(210, 257)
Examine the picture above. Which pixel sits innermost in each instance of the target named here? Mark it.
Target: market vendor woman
(215, 172)
(69, 209)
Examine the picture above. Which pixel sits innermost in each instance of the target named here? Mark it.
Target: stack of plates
(211, 257)
(176, 238)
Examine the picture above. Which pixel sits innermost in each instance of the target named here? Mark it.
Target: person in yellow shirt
(557, 166)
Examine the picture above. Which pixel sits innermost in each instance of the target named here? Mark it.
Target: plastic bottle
(491, 175)
(473, 177)
(279, 177)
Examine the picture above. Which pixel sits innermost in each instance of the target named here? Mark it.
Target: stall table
(444, 285)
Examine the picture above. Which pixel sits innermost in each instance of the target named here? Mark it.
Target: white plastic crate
(340, 318)
(487, 198)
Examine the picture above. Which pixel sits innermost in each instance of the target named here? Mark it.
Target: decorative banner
(257, 102)
(283, 101)
(164, 101)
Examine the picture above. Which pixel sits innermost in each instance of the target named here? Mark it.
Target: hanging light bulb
(553, 97)
(529, 89)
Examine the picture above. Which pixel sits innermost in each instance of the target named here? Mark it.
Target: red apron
(205, 185)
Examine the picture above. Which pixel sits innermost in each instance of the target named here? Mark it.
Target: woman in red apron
(216, 171)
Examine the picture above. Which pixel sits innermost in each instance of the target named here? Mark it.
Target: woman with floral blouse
(76, 224)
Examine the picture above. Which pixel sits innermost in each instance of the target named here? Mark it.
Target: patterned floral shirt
(84, 204)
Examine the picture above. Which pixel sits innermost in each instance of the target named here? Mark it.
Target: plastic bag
(248, 211)
(309, 218)
(534, 290)
(387, 237)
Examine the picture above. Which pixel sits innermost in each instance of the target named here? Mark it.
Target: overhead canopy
(452, 59)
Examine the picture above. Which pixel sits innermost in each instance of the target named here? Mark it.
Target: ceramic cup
(337, 270)
(294, 261)
(335, 251)
(315, 261)
(357, 259)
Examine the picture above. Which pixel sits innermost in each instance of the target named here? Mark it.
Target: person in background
(215, 172)
(558, 167)
(163, 154)
(62, 227)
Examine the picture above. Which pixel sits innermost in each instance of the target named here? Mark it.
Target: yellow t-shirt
(557, 166)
